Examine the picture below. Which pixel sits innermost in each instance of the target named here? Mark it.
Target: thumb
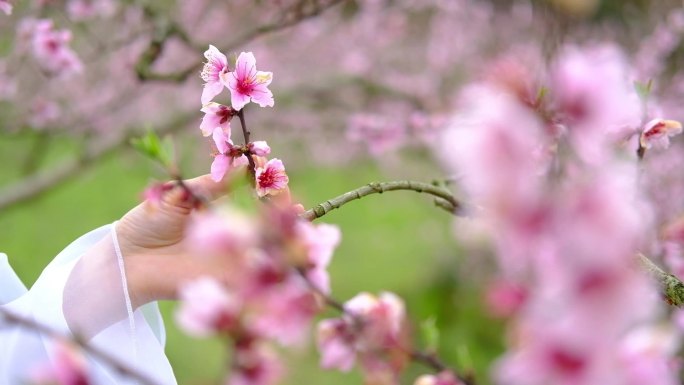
(206, 188)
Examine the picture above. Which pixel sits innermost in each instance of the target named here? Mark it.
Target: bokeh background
(362, 89)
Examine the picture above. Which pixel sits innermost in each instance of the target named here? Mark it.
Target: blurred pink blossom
(246, 83)
(321, 241)
(51, 51)
(370, 324)
(67, 367)
(443, 378)
(44, 113)
(87, 9)
(226, 232)
(214, 70)
(271, 179)
(6, 7)
(207, 308)
(255, 364)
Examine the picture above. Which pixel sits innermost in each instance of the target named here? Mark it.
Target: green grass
(397, 241)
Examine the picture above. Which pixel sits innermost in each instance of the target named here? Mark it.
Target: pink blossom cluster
(372, 332)
(50, 47)
(553, 182)
(245, 84)
(274, 270)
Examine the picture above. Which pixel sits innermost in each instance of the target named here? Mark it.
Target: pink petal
(245, 66)
(262, 96)
(219, 167)
(220, 140)
(211, 89)
(238, 100)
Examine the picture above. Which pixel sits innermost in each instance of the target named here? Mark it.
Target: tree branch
(102, 356)
(444, 197)
(303, 10)
(42, 181)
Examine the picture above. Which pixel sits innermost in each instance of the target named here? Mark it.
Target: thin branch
(670, 286)
(102, 356)
(444, 198)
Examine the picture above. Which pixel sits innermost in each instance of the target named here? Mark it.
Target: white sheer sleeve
(83, 292)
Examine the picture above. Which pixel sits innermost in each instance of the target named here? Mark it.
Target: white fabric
(81, 292)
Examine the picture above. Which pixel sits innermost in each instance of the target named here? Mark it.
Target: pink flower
(287, 312)
(246, 83)
(6, 7)
(51, 50)
(259, 148)
(271, 179)
(255, 364)
(335, 342)
(155, 192)
(207, 308)
(87, 9)
(67, 367)
(222, 231)
(216, 115)
(213, 72)
(657, 133)
(229, 157)
(443, 378)
(370, 325)
(320, 241)
(44, 113)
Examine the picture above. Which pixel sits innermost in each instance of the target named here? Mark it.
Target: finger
(206, 187)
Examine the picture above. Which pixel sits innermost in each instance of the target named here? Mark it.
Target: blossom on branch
(216, 115)
(207, 308)
(51, 49)
(370, 325)
(271, 179)
(229, 157)
(213, 72)
(247, 84)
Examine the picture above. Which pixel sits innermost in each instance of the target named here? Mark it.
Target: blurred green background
(396, 242)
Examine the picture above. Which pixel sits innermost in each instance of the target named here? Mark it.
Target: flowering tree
(558, 153)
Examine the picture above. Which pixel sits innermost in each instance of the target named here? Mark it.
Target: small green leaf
(151, 146)
(430, 334)
(643, 89)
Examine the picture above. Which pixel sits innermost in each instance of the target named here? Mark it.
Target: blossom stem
(82, 344)
(246, 133)
(443, 197)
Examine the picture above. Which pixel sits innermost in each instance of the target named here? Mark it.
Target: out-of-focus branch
(303, 10)
(96, 353)
(670, 286)
(44, 180)
(444, 198)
